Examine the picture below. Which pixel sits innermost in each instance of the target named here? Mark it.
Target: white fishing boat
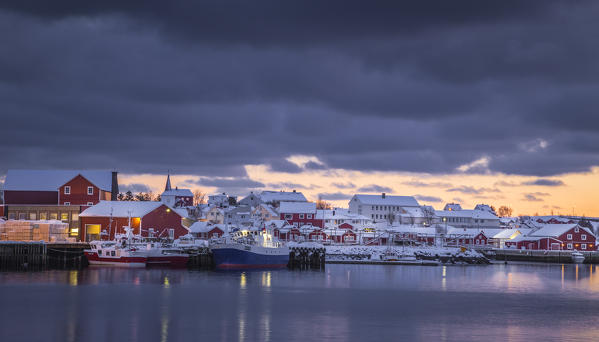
(110, 253)
(577, 257)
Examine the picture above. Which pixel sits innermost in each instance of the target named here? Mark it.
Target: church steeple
(168, 182)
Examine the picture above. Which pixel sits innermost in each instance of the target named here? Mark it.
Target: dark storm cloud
(375, 188)
(348, 185)
(287, 186)
(464, 189)
(314, 166)
(545, 182)
(334, 196)
(532, 198)
(205, 88)
(425, 198)
(135, 187)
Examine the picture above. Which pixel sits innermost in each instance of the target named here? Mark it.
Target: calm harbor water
(343, 303)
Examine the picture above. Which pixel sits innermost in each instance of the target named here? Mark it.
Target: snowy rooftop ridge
(121, 209)
(402, 201)
(297, 207)
(178, 192)
(282, 196)
(51, 180)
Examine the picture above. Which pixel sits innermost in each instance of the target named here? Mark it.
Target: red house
(534, 243)
(346, 226)
(148, 219)
(345, 236)
(205, 230)
(300, 214)
(569, 236)
(59, 187)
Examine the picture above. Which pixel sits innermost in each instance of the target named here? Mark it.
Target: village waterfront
(507, 302)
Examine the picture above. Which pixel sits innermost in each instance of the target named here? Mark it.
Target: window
(67, 190)
(53, 216)
(372, 216)
(569, 246)
(309, 216)
(12, 216)
(112, 253)
(583, 246)
(373, 207)
(22, 216)
(569, 236)
(90, 203)
(288, 216)
(301, 216)
(33, 216)
(90, 190)
(171, 233)
(583, 236)
(99, 252)
(576, 230)
(151, 232)
(67, 203)
(75, 216)
(64, 217)
(43, 215)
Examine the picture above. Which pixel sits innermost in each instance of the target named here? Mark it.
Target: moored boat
(243, 251)
(112, 254)
(577, 257)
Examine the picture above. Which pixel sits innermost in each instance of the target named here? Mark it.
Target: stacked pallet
(25, 230)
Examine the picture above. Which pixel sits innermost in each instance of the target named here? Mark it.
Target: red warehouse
(148, 219)
(300, 214)
(571, 236)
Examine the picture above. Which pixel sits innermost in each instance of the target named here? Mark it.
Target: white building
(379, 207)
(338, 216)
(468, 218)
(273, 198)
(219, 200)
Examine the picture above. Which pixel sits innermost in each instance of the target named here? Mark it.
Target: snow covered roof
(507, 234)
(297, 207)
(51, 180)
(281, 196)
(178, 192)
(404, 228)
(121, 209)
(203, 227)
(339, 214)
(401, 201)
(554, 230)
(413, 212)
(476, 214)
(488, 232)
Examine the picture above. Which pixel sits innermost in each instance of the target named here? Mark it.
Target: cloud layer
(205, 89)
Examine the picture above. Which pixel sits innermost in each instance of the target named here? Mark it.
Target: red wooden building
(206, 230)
(557, 236)
(148, 219)
(59, 187)
(300, 214)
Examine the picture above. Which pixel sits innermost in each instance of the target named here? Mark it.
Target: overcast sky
(212, 89)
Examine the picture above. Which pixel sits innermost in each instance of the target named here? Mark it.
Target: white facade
(219, 200)
(468, 218)
(379, 207)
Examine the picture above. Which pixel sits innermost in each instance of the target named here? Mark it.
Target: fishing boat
(577, 257)
(158, 255)
(249, 250)
(111, 253)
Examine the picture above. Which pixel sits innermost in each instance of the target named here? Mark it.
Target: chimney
(383, 195)
(293, 190)
(333, 212)
(114, 189)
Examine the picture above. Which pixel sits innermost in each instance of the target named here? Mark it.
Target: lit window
(43, 215)
(75, 217)
(64, 217)
(33, 216)
(90, 190)
(53, 216)
(67, 190)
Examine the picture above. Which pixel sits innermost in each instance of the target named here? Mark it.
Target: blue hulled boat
(244, 251)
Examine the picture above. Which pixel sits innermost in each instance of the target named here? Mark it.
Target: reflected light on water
(166, 283)
(266, 279)
(73, 277)
(242, 281)
(444, 279)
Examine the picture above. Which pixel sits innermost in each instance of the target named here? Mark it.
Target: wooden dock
(38, 255)
(304, 258)
(550, 256)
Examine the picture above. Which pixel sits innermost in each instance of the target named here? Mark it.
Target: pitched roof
(51, 180)
(554, 230)
(282, 196)
(178, 192)
(401, 201)
(121, 209)
(297, 207)
(203, 227)
(477, 214)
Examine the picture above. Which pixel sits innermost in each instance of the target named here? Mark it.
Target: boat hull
(241, 257)
(168, 260)
(124, 261)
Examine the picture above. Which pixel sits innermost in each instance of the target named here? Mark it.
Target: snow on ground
(375, 252)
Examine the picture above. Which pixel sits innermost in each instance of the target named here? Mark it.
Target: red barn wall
(161, 219)
(117, 225)
(303, 221)
(78, 195)
(30, 197)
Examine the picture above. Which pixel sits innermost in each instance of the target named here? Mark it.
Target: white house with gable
(379, 207)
